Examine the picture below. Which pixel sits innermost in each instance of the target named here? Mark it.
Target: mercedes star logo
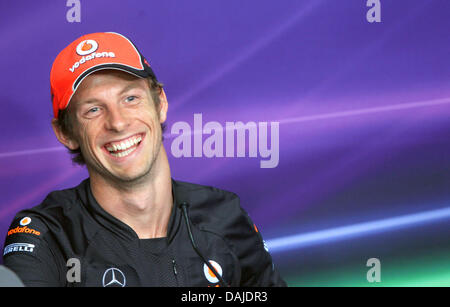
(114, 277)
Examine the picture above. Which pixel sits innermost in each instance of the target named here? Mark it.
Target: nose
(116, 120)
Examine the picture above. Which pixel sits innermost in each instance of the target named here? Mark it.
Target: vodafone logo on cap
(87, 50)
(86, 47)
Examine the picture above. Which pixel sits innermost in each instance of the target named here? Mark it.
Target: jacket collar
(119, 228)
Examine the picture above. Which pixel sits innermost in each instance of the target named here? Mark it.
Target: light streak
(339, 233)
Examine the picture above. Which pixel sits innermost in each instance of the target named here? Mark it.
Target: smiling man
(117, 126)
(129, 223)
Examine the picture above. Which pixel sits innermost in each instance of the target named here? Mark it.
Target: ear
(63, 138)
(163, 106)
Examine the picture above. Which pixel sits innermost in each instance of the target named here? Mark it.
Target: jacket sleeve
(28, 254)
(256, 262)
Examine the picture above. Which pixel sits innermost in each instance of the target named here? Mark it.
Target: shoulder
(201, 192)
(207, 203)
(218, 211)
(50, 212)
(34, 227)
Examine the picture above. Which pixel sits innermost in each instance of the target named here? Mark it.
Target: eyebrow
(128, 87)
(95, 100)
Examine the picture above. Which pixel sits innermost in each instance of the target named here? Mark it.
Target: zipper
(175, 272)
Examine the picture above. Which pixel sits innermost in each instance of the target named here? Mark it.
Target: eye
(131, 98)
(92, 110)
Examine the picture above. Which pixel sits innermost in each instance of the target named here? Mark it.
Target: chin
(133, 177)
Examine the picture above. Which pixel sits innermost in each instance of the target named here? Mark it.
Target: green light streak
(424, 271)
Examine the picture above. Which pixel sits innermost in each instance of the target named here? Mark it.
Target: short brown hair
(66, 124)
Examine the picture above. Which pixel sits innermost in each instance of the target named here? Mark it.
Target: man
(129, 223)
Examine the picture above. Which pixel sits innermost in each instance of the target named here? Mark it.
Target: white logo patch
(25, 221)
(18, 247)
(114, 277)
(86, 47)
(209, 274)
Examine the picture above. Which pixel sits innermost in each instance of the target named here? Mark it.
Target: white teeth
(123, 154)
(123, 145)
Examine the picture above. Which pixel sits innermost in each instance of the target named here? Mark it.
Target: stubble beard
(126, 182)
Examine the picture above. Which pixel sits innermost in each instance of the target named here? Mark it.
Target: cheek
(85, 136)
(150, 117)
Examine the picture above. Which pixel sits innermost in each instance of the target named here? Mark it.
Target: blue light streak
(339, 233)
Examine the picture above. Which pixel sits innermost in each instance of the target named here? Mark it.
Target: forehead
(109, 81)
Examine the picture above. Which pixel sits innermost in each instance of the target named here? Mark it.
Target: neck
(145, 205)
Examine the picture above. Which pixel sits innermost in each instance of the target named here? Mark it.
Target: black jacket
(45, 242)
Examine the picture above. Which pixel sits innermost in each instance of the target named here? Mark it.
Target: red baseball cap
(90, 53)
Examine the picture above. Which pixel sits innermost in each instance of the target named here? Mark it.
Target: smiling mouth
(124, 147)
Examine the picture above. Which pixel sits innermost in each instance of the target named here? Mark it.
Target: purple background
(363, 108)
